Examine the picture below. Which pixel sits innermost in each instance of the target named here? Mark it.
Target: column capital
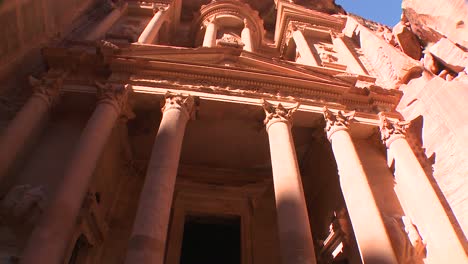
(278, 113)
(115, 94)
(160, 8)
(48, 88)
(336, 122)
(211, 20)
(391, 131)
(181, 102)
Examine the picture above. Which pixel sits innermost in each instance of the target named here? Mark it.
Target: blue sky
(387, 12)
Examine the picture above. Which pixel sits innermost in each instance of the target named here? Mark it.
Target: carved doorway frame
(211, 201)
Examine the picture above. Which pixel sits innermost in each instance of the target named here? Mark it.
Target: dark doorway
(211, 240)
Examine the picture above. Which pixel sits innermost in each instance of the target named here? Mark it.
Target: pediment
(235, 61)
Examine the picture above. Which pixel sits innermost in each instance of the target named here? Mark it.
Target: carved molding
(391, 131)
(177, 101)
(336, 122)
(49, 87)
(278, 113)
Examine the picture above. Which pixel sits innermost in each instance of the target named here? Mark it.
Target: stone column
(369, 229)
(210, 33)
(420, 200)
(246, 36)
(28, 121)
(345, 56)
(306, 51)
(296, 244)
(50, 238)
(100, 30)
(152, 29)
(148, 240)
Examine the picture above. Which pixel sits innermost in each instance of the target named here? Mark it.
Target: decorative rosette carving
(390, 131)
(278, 113)
(336, 122)
(184, 103)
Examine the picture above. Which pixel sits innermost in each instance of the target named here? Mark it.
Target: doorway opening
(211, 240)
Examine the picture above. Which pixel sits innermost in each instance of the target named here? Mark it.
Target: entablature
(235, 73)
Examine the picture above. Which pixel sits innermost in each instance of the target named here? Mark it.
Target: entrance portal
(211, 240)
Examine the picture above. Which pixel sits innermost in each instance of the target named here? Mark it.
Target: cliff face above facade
(431, 20)
(436, 101)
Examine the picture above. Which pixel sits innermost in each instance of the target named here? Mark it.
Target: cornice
(294, 82)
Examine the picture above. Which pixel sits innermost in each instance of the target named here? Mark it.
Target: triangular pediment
(236, 61)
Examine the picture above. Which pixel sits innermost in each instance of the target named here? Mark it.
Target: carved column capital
(177, 101)
(160, 8)
(391, 131)
(115, 95)
(49, 87)
(336, 122)
(278, 113)
(211, 20)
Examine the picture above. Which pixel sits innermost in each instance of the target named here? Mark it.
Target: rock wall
(438, 98)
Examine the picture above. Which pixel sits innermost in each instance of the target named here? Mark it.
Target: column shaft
(152, 29)
(424, 207)
(28, 121)
(307, 56)
(210, 34)
(52, 234)
(296, 244)
(419, 198)
(148, 240)
(373, 241)
(24, 126)
(246, 36)
(100, 30)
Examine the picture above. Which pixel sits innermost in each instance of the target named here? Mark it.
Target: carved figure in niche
(22, 206)
(327, 57)
(230, 40)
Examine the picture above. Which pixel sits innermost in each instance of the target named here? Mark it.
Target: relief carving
(390, 131)
(336, 122)
(278, 113)
(230, 40)
(22, 206)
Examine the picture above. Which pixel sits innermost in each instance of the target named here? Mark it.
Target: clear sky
(387, 12)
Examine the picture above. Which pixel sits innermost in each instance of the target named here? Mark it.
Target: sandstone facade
(173, 131)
